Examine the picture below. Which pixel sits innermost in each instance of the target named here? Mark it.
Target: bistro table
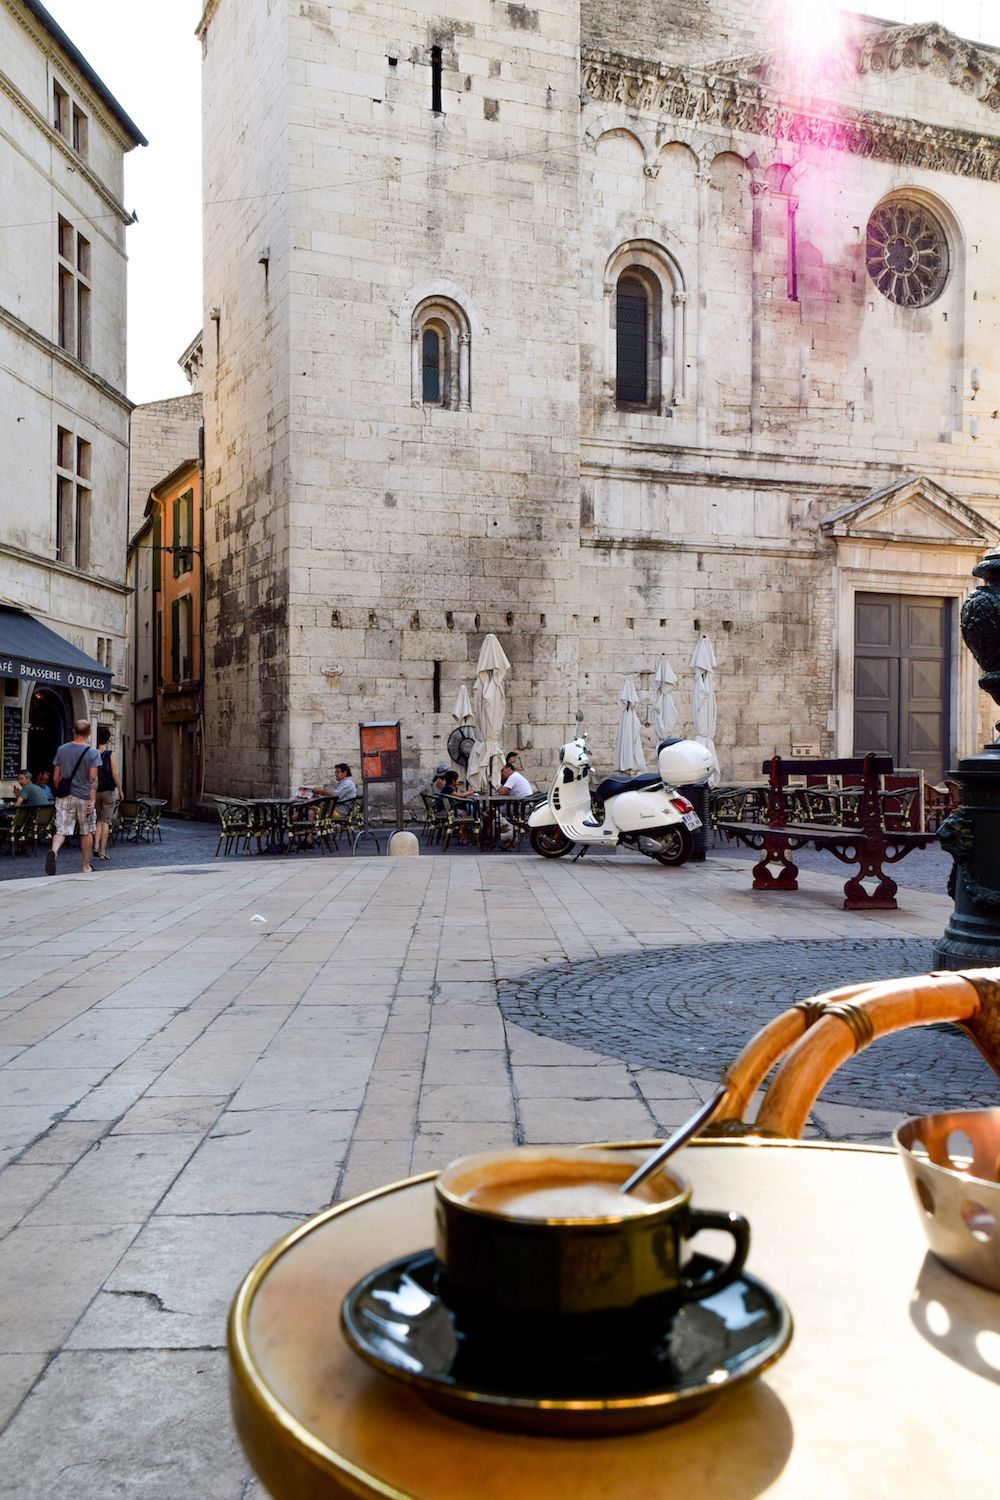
(276, 814)
(888, 1389)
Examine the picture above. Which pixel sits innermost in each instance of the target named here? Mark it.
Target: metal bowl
(953, 1163)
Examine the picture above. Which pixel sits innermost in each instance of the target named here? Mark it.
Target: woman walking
(109, 789)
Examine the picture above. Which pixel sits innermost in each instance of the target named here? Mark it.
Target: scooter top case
(683, 762)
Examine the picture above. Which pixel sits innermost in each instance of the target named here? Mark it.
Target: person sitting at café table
(42, 780)
(27, 793)
(343, 789)
(513, 783)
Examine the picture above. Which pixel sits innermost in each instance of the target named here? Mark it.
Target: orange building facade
(174, 509)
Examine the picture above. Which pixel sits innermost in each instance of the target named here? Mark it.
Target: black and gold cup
(541, 1253)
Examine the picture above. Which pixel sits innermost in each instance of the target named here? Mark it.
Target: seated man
(28, 794)
(343, 790)
(513, 783)
(42, 780)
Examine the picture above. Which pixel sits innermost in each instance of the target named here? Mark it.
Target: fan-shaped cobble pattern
(690, 1009)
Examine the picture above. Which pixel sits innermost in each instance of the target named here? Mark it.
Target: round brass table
(891, 1386)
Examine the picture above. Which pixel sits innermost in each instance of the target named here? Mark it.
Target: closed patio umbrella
(665, 715)
(629, 755)
(462, 712)
(489, 703)
(703, 704)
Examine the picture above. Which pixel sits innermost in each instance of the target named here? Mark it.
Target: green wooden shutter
(178, 555)
(157, 544)
(175, 640)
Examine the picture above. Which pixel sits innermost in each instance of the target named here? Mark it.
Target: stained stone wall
(361, 542)
(250, 302)
(162, 435)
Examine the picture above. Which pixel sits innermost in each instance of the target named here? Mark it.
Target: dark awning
(30, 649)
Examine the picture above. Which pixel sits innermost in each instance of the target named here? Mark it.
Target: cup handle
(694, 1290)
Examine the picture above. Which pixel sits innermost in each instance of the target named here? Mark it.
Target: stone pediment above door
(913, 512)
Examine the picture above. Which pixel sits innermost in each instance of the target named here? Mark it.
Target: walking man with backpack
(74, 781)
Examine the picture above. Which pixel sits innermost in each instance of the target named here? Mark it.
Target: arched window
(646, 330)
(441, 355)
(432, 366)
(632, 329)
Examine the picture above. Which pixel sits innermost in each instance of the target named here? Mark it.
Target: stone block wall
(163, 434)
(362, 541)
(248, 300)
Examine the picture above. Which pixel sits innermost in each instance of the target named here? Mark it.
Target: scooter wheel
(550, 843)
(676, 846)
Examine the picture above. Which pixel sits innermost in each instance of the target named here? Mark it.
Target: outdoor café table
(278, 812)
(890, 1387)
(490, 808)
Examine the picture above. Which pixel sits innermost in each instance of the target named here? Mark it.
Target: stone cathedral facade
(599, 326)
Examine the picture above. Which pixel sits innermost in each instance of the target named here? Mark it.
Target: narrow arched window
(440, 362)
(632, 323)
(431, 365)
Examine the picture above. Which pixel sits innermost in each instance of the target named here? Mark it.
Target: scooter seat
(613, 786)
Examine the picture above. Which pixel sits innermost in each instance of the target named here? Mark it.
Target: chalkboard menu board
(11, 743)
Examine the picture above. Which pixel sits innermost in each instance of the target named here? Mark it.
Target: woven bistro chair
(150, 809)
(128, 821)
(435, 817)
(234, 824)
(45, 824)
(813, 1038)
(303, 829)
(520, 811)
(463, 819)
(348, 821)
(328, 826)
(21, 833)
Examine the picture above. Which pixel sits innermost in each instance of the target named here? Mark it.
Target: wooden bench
(855, 835)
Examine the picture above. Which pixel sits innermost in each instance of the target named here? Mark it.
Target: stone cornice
(52, 136)
(975, 70)
(723, 102)
(55, 55)
(55, 352)
(928, 47)
(93, 580)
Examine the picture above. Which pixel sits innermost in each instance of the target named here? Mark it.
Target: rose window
(906, 254)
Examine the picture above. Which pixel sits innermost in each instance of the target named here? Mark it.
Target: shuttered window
(632, 375)
(183, 521)
(180, 639)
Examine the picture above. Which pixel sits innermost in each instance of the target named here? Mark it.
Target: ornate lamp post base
(971, 834)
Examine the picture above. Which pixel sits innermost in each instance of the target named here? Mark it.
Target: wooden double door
(902, 679)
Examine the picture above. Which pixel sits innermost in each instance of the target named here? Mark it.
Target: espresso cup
(539, 1248)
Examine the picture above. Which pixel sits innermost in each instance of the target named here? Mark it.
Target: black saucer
(394, 1319)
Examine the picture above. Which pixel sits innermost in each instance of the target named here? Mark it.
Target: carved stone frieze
(927, 47)
(932, 47)
(737, 105)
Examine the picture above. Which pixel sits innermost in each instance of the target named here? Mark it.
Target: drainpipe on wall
(201, 617)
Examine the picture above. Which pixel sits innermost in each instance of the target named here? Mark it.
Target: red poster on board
(381, 751)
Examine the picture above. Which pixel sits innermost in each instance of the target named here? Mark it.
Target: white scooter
(646, 812)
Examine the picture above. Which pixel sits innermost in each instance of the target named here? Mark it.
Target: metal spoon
(679, 1138)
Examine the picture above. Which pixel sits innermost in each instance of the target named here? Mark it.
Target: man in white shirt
(514, 784)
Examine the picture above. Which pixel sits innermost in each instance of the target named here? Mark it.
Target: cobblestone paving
(690, 1010)
(923, 870)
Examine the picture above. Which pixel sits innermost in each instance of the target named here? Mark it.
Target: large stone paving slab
(180, 1082)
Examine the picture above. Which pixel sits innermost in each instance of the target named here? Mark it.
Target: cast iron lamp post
(971, 834)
